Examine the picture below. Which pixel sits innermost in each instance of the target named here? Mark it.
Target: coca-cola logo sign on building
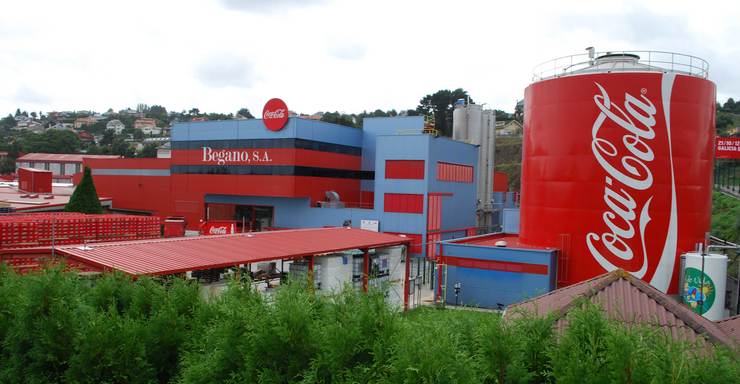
(616, 172)
(275, 114)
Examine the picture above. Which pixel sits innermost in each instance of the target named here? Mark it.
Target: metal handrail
(654, 61)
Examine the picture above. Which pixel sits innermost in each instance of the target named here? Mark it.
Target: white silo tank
(460, 123)
(704, 280)
(475, 123)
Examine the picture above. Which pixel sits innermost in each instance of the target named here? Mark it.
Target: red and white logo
(623, 143)
(217, 227)
(275, 114)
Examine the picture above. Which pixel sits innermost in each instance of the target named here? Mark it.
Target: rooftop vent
(618, 58)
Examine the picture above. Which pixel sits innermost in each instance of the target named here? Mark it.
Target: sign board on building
(218, 227)
(275, 114)
(728, 148)
(370, 225)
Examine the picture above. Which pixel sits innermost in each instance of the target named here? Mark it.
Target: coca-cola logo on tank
(624, 140)
(275, 114)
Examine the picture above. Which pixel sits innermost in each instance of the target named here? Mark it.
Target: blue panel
(328, 133)
(458, 210)
(378, 126)
(255, 129)
(511, 220)
(518, 255)
(487, 289)
(296, 213)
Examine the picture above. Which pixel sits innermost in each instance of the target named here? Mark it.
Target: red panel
(404, 169)
(144, 163)
(221, 212)
(728, 148)
(416, 243)
(434, 212)
(432, 240)
(622, 164)
(34, 180)
(403, 203)
(367, 199)
(500, 182)
(459, 173)
(494, 265)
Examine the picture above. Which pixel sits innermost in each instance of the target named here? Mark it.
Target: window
(403, 203)
(404, 169)
(458, 173)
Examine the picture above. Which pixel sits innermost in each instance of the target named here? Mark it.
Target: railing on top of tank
(652, 61)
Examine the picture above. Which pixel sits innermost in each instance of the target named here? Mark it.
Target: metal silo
(617, 162)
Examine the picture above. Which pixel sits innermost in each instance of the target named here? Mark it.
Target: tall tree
(158, 112)
(244, 112)
(440, 105)
(108, 136)
(85, 198)
(121, 148)
(51, 141)
(8, 122)
(339, 118)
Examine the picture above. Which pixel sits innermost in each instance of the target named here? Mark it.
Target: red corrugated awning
(176, 255)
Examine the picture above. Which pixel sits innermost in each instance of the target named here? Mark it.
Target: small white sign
(370, 225)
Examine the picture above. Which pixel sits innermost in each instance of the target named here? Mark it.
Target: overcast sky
(318, 55)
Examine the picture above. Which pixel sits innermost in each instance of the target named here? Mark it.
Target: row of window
(271, 170)
(55, 168)
(414, 170)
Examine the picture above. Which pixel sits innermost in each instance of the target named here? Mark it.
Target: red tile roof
(176, 255)
(731, 326)
(628, 300)
(59, 157)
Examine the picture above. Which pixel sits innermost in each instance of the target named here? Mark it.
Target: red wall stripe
(403, 203)
(404, 169)
(495, 265)
(454, 172)
(277, 156)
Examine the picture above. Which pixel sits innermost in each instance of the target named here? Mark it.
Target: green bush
(726, 217)
(58, 328)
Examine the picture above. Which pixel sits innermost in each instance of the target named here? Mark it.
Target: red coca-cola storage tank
(617, 163)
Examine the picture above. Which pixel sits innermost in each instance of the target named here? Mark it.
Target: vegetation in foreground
(725, 217)
(58, 328)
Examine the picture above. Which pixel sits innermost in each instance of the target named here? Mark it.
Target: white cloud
(225, 70)
(26, 95)
(348, 50)
(328, 55)
(266, 5)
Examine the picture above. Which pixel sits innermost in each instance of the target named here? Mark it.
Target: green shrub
(57, 328)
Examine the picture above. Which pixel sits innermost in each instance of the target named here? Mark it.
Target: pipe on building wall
(365, 268)
(407, 259)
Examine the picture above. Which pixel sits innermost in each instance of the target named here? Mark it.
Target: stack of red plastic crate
(41, 229)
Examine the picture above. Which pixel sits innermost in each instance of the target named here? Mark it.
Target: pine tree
(85, 197)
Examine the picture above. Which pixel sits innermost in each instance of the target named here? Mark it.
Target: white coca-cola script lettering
(276, 114)
(627, 171)
(217, 230)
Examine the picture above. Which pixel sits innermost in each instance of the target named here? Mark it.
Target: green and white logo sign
(697, 293)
